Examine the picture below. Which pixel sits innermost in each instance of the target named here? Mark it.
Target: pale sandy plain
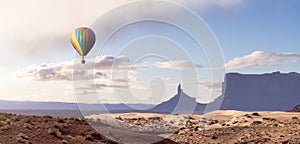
(215, 127)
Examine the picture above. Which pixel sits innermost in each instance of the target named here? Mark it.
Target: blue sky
(256, 37)
(269, 26)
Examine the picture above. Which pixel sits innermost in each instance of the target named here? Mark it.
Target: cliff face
(244, 92)
(267, 92)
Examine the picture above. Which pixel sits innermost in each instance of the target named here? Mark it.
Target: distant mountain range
(69, 106)
(244, 92)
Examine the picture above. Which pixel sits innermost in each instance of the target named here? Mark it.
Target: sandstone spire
(179, 90)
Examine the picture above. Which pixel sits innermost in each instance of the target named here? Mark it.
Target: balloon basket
(83, 61)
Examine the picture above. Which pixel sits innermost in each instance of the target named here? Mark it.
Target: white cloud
(101, 86)
(259, 59)
(217, 86)
(176, 64)
(123, 73)
(35, 27)
(65, 70)
(62, 71)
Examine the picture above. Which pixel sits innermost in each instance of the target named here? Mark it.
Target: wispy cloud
(259, 59)
(206, 4)
(70, 70)
(46, 34)
(98, 72)
(180, 64)
(217, 86)
(101, 86)
(46, 72)
(65, 70)
(172, 65)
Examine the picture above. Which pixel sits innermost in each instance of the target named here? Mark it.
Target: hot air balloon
(83, 40)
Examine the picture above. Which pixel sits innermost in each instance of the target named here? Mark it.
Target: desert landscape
(237, 120)
(220, 126)
(150, 72)
(215, 127)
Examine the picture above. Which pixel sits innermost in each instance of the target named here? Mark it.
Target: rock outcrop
(266, 92)
(295, 109)
(179, 104)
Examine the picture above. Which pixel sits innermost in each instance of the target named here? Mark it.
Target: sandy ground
(242, 127)
(216, 127)
(135, 128)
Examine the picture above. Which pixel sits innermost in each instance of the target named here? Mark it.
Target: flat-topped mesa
(261, 92)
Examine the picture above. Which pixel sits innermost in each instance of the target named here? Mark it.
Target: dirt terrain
(216, 127)
(46, 129)
(242, 128)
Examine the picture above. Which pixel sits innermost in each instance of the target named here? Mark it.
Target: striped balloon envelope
(83, 40)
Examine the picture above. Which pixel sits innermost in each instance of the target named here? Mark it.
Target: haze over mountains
(245, 92)
(66, 106)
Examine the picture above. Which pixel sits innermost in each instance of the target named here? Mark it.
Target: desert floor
(216, 127)
(242, 127)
